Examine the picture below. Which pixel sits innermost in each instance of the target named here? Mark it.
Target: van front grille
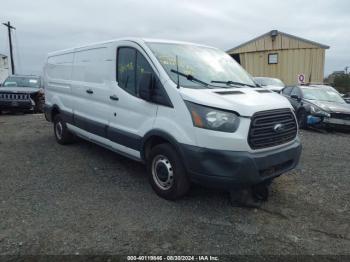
(12, 96)
(272, 128)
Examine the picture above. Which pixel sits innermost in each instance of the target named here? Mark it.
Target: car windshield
(265, 81)
(19, 81)
(322, 95)
(203, 63)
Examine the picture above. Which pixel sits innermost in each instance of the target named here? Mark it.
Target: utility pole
(9, 28)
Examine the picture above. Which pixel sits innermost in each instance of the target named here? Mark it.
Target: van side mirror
(296, 97)
(146, 86)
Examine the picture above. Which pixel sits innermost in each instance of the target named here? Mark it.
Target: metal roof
(281, 33)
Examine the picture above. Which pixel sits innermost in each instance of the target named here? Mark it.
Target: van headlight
(212, 118)
(318, 111)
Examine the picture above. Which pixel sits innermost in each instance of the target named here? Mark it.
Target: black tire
(167, 173)
(302, 119)
(62, 134)
(261, 191)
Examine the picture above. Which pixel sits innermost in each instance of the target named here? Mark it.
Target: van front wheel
(62, 134)
(167, 173)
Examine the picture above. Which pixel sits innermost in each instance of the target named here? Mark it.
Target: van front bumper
(233, 169)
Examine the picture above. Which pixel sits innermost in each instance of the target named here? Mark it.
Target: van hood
(244, 101)
(18, 89)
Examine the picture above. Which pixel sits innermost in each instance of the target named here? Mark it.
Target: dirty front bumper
(232, 169)
(321, 122)
(16, 105)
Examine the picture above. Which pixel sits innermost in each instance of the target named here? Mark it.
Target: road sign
(301, 79)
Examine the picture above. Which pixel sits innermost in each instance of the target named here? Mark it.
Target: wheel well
(151, 143)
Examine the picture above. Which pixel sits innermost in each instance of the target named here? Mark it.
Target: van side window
(131, 65)
(142, 67)
(126, 73)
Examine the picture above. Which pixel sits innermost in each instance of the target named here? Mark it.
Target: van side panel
(91, 89)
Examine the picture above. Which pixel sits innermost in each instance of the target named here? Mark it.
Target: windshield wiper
(232, 83)
(190, 78)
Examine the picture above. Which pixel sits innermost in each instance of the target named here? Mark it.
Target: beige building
(284, 56)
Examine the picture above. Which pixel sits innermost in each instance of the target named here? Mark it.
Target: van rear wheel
(62, 134)
(167, 174)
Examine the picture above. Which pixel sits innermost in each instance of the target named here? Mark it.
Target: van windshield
(204, 63)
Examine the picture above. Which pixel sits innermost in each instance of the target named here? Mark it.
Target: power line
(9, 28)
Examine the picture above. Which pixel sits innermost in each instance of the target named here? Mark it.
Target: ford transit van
(188, 111)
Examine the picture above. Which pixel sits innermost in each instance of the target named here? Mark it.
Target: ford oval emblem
(278, 128)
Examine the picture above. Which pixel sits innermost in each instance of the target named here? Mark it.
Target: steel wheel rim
(59, 129)
(162, 172)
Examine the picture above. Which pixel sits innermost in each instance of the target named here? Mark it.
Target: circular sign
(301, 78)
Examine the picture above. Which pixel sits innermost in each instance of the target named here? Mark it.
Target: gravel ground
(84, 199)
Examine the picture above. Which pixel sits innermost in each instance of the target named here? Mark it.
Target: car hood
(244, 101)
(18, 89)
(331, 107)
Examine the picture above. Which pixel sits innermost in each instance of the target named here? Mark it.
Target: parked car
(188, 111)
(22, 93)
(346, 97)
(273, 84)
(327, 87)
(318, 106)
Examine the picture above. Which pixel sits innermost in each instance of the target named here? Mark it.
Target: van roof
(134, 39)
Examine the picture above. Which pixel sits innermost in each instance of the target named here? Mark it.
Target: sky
(43, 26)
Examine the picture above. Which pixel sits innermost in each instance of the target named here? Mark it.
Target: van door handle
(89, 91)
(114, 97)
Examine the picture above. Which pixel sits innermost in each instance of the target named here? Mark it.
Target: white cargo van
(188, 111)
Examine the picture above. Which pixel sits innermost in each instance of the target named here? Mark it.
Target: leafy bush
(342, 83)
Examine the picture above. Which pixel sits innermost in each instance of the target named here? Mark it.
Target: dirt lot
(83, 199)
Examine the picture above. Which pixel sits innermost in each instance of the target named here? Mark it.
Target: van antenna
(178, 77)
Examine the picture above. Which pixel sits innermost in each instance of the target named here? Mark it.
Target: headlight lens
(212, 118)
(318, 111)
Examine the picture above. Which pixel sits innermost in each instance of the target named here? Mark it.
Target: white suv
(188, 111)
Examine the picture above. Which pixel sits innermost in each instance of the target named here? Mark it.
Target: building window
(273, 58)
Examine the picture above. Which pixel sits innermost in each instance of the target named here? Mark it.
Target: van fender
(163, 135)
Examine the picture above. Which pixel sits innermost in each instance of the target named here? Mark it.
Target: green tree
(342, 83)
